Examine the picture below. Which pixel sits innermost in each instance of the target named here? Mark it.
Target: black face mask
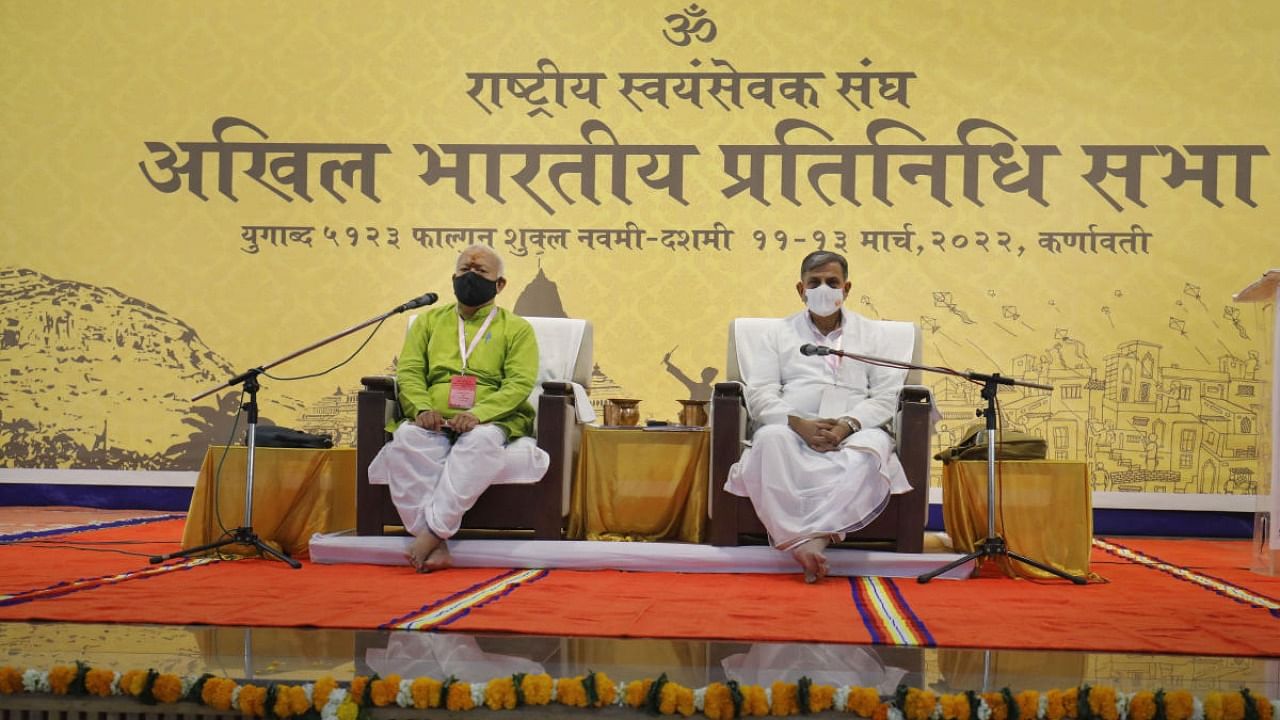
(473, 290)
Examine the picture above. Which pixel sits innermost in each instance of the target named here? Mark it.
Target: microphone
(811, 349)
(428, 299)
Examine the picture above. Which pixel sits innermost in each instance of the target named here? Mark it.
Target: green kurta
(504, 363)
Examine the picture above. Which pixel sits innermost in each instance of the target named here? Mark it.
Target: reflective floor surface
(297, 655)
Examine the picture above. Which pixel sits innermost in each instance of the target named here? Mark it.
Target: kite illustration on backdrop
(943, 299)
(1106, 310)
(1193, 291)
(1233, 314)
(1011, 313)
(866, 301)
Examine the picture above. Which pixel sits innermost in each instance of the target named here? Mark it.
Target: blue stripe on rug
(17, 537)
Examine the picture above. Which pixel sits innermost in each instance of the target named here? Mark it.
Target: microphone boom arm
(254, 372)
(976, 377)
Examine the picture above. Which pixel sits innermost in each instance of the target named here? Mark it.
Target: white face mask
(823, 300)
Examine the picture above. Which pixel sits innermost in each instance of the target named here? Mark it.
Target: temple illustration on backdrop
(1141, 425)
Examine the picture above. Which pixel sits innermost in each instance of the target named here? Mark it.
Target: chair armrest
(555, 387)
(385, 383)
(728, 423)
(915, 430)
(728, 389)
(915, 394)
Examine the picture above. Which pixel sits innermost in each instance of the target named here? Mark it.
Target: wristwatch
(853, 425)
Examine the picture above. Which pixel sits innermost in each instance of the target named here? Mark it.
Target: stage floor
(299, 654)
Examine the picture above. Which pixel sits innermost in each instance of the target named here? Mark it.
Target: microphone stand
(992, 545)
(245, 535)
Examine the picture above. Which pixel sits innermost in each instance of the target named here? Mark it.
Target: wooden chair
(900, 526)
(537, 507)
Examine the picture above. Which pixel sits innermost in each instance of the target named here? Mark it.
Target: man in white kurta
(819, 465)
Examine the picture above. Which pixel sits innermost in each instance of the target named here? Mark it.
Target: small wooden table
(638, 484)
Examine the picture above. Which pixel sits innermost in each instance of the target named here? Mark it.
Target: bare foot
(809, 555)
(421, 549)
(439, 558)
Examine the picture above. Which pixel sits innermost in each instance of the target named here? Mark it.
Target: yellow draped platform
(641, 485)
(296, 493)
(1044, 510)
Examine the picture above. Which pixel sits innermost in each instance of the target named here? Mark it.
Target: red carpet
(1163, 596)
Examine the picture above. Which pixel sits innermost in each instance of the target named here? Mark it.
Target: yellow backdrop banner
(1067, 193)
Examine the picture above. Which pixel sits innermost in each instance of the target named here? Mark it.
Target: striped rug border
(69, 529)
(67, 587)
(460, 604)
(886, 615)
(1207, 582)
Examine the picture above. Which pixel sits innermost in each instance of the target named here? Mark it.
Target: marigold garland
(717, 701)
(863, 701)
(167, 688)
(320, 693)
(1179, 705)
(383, 691)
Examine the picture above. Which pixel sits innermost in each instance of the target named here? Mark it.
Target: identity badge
(462, 392)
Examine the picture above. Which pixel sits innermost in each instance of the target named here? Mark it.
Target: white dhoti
(434, 482)
(800, 493)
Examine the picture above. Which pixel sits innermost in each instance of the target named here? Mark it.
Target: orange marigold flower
(1233, 706)
(570, 691)
(217, 692)
(10, 680)
(280, 708)
(684, 700)
(383, 691)
(60, 677)
(1028, 704)
(754, 701)
(675, 698)
(356, 691)
(536, 689)
(995, 701)
(1142, 706)
(132, 682)
(320, 692)
(920, 704)
(862, 701)
(1102, 702)
(1178, 705)
(785, 699)
(1057, 708)
(98, 682)
(500, 694)
(426, 693)
(459, 697)
(637, 691)
(1264, 707)
(717, 703)
(167, 688)
(253, 700)
(1213, 706)
(881, 712)
(956, 707)
(606, 690)
(821, 698)
(299, 703)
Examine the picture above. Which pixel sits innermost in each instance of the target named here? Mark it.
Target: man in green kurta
(464, 375)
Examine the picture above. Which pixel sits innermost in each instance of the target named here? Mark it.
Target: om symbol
(688, 26)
